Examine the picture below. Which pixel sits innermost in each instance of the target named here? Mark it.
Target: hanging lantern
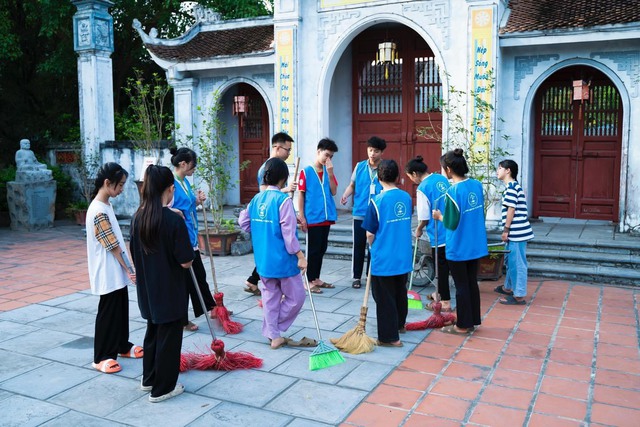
(240, 105)
(386, 54)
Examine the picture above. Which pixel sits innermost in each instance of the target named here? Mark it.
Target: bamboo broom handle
(213, 268)
(366, 290)
(295, 175)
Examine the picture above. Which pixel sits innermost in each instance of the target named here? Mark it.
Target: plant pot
(80, 216)
(490, 266)
(220, 242)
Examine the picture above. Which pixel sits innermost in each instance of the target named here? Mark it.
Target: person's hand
(200, 197)
(418, 232)
(343, 199)
(303, 223)
(132, 277)
(302, 264)
(291, 188)
(436, 215)
(505, 236)
(329, 165)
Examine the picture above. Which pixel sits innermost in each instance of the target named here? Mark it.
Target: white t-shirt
(105, 272)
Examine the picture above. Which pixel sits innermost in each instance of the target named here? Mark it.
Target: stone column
(183, 108)
(93, 41)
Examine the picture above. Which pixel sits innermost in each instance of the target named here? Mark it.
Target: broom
(437, 319)
(218, 359)
(295, 175)
(219, 311)
(323, 356)
(356, 340)
(413, 298)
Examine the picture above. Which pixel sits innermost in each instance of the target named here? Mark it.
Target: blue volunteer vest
(391, 249)
(362, 195)
(435, 187)
(469, 240)
(318, 201)
(270, 253)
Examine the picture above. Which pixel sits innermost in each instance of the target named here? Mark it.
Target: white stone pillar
(93, 41)
(183, 107)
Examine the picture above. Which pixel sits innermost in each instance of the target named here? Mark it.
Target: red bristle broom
(218, 360)
(437, 319)
(219, 311)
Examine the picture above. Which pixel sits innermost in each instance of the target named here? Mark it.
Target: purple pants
(279, 313)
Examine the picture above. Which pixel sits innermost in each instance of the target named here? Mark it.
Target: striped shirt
(513, 197)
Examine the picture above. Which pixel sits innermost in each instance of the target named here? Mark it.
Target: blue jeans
(516, 279)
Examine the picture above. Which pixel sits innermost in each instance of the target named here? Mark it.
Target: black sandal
(356, 284)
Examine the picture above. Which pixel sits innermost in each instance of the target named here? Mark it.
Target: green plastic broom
(413, 298)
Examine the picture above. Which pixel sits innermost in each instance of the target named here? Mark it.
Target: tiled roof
(210, 44)
(539, 15)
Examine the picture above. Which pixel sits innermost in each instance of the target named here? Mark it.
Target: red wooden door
(392, 101)
(254, 143)
(577, 148)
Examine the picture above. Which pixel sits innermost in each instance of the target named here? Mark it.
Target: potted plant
(475, 138)
(215, 159)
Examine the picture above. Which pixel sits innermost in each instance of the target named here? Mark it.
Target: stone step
(579, 257)
(595, 273)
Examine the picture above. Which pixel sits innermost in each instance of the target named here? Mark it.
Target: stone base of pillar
(31, 204)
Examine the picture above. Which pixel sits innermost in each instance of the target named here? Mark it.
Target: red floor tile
(438, 351)
(571, 357)
(492, 415)
(541, 319)
(565, 387)
(557, 405)
(420, 420)
(563, 370)
(624, 340)
(606, 328)
(616, 396)
(541, 420)
(409, 379)
(12, 305)
(631, 366)
(396, 397)
(498, 334)
(526, 350)
(370, 415)
(459, 388)
(444, 406)
(578, 323)
(514, 379)
(580, 315)
(614, 415)
(484, 344)
(476, 357)
(518, 363)
(579, 345)
(574, 333)
(503, 396)
(538, 328)
(423, 364)
(522, 337)
(467, 372)
(605, 349)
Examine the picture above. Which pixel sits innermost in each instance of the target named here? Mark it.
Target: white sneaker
(145, 387)
(176, 391)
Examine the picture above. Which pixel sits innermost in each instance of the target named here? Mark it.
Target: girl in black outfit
(161, 252)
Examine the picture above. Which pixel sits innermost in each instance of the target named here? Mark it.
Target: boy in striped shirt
(516, 233)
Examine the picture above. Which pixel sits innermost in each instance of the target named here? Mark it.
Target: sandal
(304, 342)
(315, 290)
(432, 297)
(501, 290)
(135, 352)
(442, 310)
(511, 300)
(108, 366)
(284, 342)
(356, 284)
(256, 292)
(191, 327)
(389, 344)
(452, 329)
(324, 285)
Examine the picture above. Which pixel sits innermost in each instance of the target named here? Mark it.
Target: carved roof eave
(571, 35)
(217, 63)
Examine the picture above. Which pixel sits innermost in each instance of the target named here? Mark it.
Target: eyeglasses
(288, 150)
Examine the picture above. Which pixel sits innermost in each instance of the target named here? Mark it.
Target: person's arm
(288, 228)
(371, 223)
(347, 192)
(182, 250)
(244, 221)
(302, 187)
(423, 211)
(103, 232)
(511, 212)
(333, 184)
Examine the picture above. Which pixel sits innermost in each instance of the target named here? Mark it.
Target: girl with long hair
(162, 252)
(108, 272)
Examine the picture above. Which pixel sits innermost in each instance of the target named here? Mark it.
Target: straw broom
(356, 340)
(219, 311)
(218, 359)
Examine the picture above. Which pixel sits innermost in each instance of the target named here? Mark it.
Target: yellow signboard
(285, 81)
(481, 74)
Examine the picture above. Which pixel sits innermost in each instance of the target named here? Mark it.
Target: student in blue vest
(430, 195)
(280, 148)
(388, 228)
(516, 233)
(271, 219)
(463, 217)
(364, 185)
(317, 209)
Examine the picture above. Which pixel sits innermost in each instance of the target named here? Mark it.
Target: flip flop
(108, 366)
(325, 285)
(316, 290)
(389, 344)
(304, 342)
(442, 310)
(451, 329)
(135, 352)
(431, 297)
(256, 292)
(501, 290)
(282, 344)
(356, 284)
(511, 300)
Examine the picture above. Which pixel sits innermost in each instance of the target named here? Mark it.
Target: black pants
(390, 295)
(443, 273)
(112, 326)
(465, 275)
(161, 361)
(254, 278)
(201, 276)
(317, 239)
(359, 246)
